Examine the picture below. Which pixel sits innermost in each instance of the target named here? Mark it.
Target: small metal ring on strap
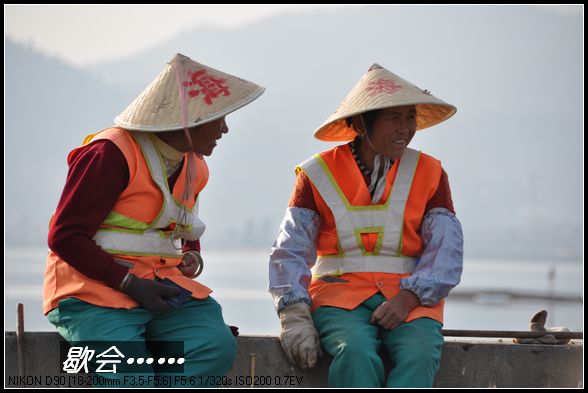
(200, 268)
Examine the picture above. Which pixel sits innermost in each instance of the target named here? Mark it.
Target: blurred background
(513, 152)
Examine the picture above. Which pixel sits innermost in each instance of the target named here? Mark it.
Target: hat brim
(200, 121)
(428, 115)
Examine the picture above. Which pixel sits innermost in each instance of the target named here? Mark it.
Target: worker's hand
(392, 313)
(149, 293)
(299, 338)
(192, 264)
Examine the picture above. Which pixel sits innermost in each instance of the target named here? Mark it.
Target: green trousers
(209, 347)
(353, 342)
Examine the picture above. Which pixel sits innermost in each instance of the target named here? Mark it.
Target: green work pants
(209, 347)
(348, 336)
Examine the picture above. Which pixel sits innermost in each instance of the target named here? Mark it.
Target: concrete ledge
(465, 364)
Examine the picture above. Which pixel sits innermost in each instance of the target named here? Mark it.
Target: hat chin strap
(365, 135)
(367, 138)
(189, 138)
(190, 174)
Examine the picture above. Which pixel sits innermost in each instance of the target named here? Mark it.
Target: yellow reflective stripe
(359, 231)
(89, 137)
(336, 273)
(399, 249)
(141, 254)
(341, 253)
(146, 158)
(121, 221)
(187, 228)
(121, 230)
(348, 205)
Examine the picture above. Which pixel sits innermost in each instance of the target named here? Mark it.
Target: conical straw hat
(378, 89)
(205, 93)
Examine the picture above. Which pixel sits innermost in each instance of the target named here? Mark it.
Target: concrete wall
(464, 364)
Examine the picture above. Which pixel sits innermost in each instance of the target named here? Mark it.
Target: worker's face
(392, 130)
(205, 136)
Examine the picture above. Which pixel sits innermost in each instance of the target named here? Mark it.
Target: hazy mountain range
(513, 151)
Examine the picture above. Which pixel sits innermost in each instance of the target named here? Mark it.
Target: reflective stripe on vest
(154, 241)
(141, 244)
(351, 221)
(336, 265)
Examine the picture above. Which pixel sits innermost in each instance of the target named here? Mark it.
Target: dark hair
(368, 120)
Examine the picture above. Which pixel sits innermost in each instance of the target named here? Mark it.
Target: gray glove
(299, 338)
(148, 293)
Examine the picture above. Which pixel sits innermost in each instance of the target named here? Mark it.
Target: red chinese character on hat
(210, 86)
(380, 86)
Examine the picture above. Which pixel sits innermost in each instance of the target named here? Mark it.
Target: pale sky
(86, 34)
(83, 35)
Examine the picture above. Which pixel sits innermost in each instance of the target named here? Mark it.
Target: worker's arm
(94, 182)
(439, 268)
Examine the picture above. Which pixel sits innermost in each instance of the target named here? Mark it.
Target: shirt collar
(167, 151)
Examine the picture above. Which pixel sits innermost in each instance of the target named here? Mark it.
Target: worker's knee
(358, 348)
(215, 356)
(225, 346)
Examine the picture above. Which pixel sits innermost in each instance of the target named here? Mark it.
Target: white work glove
(299, 338)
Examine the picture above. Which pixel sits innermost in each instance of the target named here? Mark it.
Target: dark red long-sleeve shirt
(96, 178)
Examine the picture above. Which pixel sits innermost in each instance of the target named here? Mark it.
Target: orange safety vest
(136, 232)
(365, 255)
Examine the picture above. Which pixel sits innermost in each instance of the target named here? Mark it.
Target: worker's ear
(358, 124)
